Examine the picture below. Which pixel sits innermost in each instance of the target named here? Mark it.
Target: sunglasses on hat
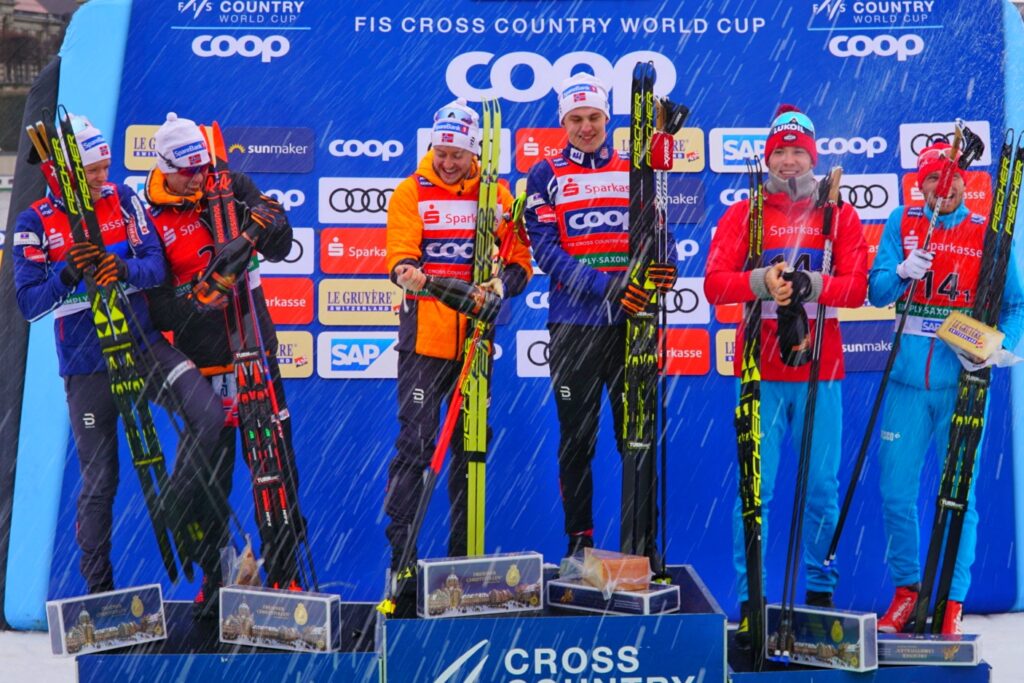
(186, 171)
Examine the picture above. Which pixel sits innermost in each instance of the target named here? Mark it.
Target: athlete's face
(187, 183)
(96, 174)
(789, 161)
(452, 164)
(587, 128)
(956, 192)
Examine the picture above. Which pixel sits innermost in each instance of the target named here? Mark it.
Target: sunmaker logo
(528, 77)
(255, 149)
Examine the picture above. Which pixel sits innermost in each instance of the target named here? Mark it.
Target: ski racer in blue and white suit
(922, 391)
(48, 271)
(577, 215)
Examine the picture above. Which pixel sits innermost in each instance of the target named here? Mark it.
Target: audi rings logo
(299, 260)
(289, 199)
(685, 303)
(902, 47)
(914, 137)
(591, 220)
(355, 200)
(360, 199)
(865, 196)
(266, 48)
(874, 195)
(532, 353)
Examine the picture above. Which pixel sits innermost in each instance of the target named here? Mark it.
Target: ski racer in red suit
(793, 237)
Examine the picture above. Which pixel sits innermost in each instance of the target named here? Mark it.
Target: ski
(748, 425)
(263, 441)
(784, 638)
(968, 421)
(653, 121)
(475, 386)
(111, 309)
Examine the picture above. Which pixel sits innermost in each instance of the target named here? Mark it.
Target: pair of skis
(653, 122)
(784, 639)
(111, 310)
(287, 556)
(470, 395)
(968, 420)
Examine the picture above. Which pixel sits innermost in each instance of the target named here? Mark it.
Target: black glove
(79, 256)
(234, 257)
(801, 286)
(662, 276)
(111, 269)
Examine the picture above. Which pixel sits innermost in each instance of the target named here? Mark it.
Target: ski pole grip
(833, 184)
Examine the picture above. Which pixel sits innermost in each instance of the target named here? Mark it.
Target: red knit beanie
(791, 128)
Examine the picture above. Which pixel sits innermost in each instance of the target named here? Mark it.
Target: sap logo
(537, 300)
(686, 249)
(545, 76)
(289, 199)
(450, 250)
(730, 196)
(386, 150)
(591, 220)
(361, 354)
(266, 48)
(731, 148)
(868, 147)
(904, 46)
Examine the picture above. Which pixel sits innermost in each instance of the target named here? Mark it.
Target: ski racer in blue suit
(922, 392)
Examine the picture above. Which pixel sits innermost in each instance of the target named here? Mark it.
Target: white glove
(1002, 358)
(494, 285)
(916, 265)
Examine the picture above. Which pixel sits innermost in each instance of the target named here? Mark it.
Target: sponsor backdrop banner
(328, 104)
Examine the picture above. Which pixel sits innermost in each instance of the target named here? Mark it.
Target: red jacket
(792, 231)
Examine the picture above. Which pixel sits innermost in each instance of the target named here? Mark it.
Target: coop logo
(357, 355)
(914, 137)
(593, 220)
(355, 200)
(300, 258)
(874, 195)
(686, 249)
(375, 149)
(537, 301)
(450, 250)
(504, 161)
(266, 48)
(289, 199)
(256, 149)
(483, 75)
(869, 147)
(732, 195)
(731, 148)
(902, 47)
(532, 353)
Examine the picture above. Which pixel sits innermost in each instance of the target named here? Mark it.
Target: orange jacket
(427, 326)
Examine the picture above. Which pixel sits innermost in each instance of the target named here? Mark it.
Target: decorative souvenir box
(105, 621)
(472, 586)
(829, 638)
(280, 619)
(577, 596)
(941, 650)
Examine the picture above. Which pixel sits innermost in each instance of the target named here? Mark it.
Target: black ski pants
(94, 419)
(424, 384)
(584, 361)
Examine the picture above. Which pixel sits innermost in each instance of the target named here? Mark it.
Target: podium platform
(687, 647)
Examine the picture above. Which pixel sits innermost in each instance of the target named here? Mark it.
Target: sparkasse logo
(289, 299)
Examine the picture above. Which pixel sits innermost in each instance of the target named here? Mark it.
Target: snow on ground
(26, 656)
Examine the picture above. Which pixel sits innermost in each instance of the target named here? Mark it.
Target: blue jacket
(43, 235)
(927, 362)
